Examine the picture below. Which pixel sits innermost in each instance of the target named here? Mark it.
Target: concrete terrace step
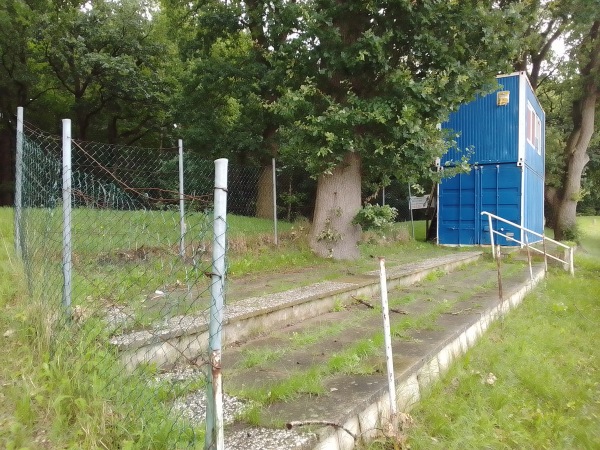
(186, 337)
(358, 403)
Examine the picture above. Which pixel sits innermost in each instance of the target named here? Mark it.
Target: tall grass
(67, 389)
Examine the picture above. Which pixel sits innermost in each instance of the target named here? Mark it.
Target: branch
(370, 306)
(300, 423)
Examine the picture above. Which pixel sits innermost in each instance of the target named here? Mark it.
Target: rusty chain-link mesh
(133, 300)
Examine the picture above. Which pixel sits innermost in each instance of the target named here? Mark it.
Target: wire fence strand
(139, 306)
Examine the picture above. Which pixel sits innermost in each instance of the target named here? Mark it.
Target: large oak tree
(383, 76)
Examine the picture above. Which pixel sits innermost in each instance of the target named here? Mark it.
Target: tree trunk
(264, 198)
(584, 115)
(338, 201)
(7, 176)
(552, 200)
(577, 158)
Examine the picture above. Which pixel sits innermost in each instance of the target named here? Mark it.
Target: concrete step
(448, 313)
(186, 337)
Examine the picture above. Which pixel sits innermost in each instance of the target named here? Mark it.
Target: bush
(375, 217)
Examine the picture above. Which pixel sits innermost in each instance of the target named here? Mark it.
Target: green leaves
(384, 77)
(375, 217)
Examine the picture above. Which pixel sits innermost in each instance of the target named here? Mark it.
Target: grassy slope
(64, 401)
(14, 355)
(547, 363)
(52, 403)
(547, 393)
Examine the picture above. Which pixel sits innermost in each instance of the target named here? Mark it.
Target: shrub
(375, 217)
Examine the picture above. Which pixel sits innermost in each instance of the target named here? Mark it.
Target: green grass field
(546, 362)
(122, 258)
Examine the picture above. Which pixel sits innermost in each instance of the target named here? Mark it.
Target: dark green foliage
(107, 66)
(375, 217)
(383, 76)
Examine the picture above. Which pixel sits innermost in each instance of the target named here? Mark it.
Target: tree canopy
(571, 92)
(382, 78)
(350, 91)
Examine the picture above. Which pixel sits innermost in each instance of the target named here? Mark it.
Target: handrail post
(529, 258)
(571, 262)
(545, 254)
(491, 236)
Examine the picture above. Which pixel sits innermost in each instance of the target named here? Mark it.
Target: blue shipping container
(504, 134)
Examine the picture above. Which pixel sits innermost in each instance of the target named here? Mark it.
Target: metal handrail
(568, 262)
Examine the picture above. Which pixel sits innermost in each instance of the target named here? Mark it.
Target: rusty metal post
(498, 257)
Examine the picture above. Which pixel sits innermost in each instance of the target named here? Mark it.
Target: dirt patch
(140, 254)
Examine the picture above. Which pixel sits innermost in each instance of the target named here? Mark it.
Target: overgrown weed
(61, 386)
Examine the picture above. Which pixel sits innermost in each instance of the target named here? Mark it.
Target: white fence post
(388, 343)
(19, 182)
(214, 412)
(275, 204)
(67, 211)
(412, 222)
(181, 202)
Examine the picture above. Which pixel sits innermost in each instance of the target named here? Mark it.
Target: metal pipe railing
(567, 262)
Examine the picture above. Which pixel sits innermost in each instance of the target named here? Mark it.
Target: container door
(458, 222)
(500, 195)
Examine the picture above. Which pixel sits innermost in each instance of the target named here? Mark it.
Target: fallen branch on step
(301, 423)
(456, 313)
(370, 306)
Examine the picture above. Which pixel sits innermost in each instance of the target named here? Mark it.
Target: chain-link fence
(124, 270)
(125, 260)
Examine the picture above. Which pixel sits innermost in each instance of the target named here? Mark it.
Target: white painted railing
(567, 262)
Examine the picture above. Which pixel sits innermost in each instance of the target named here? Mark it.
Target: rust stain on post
(215, 362)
